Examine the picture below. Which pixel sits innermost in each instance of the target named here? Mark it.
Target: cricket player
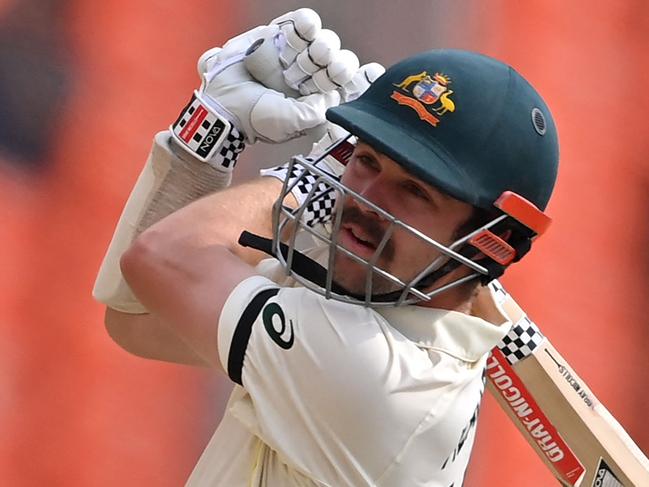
(358, 349)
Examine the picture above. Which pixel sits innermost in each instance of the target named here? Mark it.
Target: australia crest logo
(428, 95)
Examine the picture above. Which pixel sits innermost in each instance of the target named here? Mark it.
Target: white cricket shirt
(335, 394)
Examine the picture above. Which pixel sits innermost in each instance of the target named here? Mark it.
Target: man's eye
(416, 190)
(366, 161)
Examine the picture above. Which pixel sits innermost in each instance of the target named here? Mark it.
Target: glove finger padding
(258, 105)
(261, 81)
(297, 30)
(361, 81)
(318, 55)
(272, 57)
(312, 66)
(335, 75)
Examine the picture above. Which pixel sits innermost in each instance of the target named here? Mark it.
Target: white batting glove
(289, 63)
(318, 68)
(285, 97)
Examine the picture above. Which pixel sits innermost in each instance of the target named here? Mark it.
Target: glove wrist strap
(207, 135)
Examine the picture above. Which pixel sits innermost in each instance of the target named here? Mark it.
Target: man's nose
(376, 191)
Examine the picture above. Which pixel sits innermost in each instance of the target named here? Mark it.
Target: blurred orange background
(85, 85)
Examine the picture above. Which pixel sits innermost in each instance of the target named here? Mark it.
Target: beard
(352, 277)
(351, 274)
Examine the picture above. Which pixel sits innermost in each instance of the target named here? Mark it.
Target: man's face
(382, 181)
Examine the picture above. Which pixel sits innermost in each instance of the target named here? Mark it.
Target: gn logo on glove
(428, 95)
(200, 129)
(275, 324)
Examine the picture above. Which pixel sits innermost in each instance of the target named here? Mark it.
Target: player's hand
(287, 63)
(313, 73)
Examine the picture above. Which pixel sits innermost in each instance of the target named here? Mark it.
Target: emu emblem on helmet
(429, 97)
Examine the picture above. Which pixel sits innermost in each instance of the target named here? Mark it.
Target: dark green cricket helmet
(463, 122)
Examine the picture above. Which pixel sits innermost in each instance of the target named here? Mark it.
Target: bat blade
(571, 431)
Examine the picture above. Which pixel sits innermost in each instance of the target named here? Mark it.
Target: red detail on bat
(523, 211)
(535, 423)
(493, 246)
(190, 129)
(416, 106)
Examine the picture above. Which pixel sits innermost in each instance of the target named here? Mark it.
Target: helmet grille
(538, 121)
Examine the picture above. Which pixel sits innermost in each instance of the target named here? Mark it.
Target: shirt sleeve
(331, 384)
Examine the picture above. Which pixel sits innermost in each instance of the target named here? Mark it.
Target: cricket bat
(572, 432)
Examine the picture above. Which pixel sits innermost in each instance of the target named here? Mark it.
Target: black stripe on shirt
(242, 333)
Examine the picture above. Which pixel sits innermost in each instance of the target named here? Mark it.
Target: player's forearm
(168, 181)
(184, 283)
(184, 267)
(145, 336)
(217, 219)
(213, 220)
(185, 180)
(199, 242)
(194, 206)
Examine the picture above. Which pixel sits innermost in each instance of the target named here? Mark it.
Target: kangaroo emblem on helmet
(430, 94)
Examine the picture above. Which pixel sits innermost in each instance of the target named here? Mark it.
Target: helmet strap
(307, 268)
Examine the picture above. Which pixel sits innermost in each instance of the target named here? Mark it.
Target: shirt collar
(461, 335)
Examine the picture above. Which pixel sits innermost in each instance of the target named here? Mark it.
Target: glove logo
(199, 129)
(275, 324)
(209, 141)
(429, 97)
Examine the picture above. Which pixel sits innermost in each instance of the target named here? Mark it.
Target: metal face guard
(288, 225)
